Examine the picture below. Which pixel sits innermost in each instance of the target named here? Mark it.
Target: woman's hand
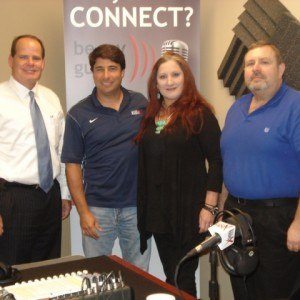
(206, 219)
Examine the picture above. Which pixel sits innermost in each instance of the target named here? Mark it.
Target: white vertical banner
(142, 29)
(138, 27)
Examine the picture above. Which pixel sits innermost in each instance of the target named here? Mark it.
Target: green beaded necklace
(160, 124)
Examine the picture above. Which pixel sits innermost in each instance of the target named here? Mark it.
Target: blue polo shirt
(101, 139)
(261, 150)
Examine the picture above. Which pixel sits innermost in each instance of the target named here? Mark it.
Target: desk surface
(143, 283)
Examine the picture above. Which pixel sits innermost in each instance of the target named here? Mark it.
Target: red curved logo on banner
(145, 58)
(148, 52)
(136, 57)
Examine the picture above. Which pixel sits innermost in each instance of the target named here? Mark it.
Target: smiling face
(170, 81)
(107, 77)
(27, 64)
(263, 74)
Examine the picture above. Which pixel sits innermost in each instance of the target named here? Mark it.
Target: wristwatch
(212, 209)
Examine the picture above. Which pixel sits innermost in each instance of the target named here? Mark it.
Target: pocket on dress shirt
(53, 126)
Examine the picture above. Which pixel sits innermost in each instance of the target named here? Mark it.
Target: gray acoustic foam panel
(262, 20)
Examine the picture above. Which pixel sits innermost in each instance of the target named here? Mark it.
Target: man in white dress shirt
(31, 214)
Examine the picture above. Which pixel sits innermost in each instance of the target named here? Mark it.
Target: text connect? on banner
(137, 16)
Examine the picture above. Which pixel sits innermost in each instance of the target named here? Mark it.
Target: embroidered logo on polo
(267, 129)
(136, 112)
(93, 120)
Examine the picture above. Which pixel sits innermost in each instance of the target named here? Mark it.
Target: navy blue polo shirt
(101, 139)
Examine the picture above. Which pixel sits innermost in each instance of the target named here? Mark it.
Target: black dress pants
(31, 222)
(170, 253)
(278, 272)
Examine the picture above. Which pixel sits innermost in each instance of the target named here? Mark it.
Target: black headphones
(8, 275)
(241, 258)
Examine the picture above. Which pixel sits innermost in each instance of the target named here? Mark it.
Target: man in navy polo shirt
(101, 159)
(261, 161)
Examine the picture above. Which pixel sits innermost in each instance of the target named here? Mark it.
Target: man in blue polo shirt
(261, 159)
(101, 159)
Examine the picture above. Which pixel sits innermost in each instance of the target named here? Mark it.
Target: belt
(265, 202)
(4, 184)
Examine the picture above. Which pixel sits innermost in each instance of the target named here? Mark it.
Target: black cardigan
(173, 174)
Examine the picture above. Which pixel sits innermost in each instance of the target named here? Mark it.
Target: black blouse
(173, 178)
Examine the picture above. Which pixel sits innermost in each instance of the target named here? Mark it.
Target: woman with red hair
(177, 194)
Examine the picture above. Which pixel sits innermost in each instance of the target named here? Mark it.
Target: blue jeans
(118, 223)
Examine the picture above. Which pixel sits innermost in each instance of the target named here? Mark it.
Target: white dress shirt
(18, 154)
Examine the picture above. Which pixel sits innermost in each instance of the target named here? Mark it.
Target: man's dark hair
(13, 48)
(107, 51)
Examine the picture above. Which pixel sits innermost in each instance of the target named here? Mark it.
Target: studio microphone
(176, 46)
(223, 233)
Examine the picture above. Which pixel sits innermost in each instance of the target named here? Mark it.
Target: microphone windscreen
(175, 46)
(243, 224)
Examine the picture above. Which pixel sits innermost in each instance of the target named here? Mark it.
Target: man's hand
(1, 226)
(293, 236)
(66, 208)
(89, 225)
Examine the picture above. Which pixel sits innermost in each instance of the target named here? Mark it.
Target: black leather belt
(265, 202)
(4, 183)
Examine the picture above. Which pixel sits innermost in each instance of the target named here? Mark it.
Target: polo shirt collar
(276, 98)
(125, 100)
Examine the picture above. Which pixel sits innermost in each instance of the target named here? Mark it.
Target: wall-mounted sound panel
(235, 65)
(262, 20)
(287, 39)
(273, 8)
(244, 34)
(242, 90)
(260, 15)
(237, 82)
(255, 29)
(233, 47)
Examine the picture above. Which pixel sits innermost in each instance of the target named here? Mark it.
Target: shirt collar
(125, 100)
(277, 97)
(20, 89)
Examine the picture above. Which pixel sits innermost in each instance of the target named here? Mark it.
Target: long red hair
(189, 106)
